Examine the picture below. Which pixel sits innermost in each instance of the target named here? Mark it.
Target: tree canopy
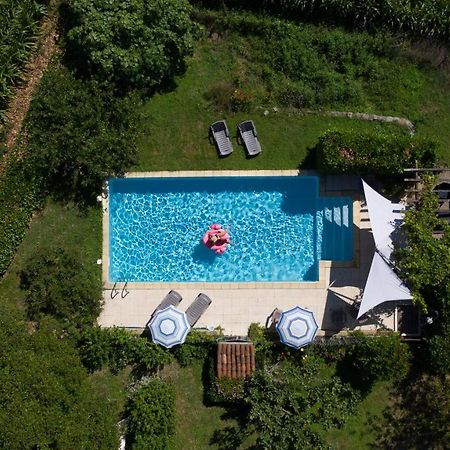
(131, 43)
(46, 397)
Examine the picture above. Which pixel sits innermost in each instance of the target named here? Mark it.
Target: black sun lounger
(173, 298)
(220, 137)
(197, 308)
(249, 137)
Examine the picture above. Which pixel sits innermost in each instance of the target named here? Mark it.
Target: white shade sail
(383, 285)
(385, 219)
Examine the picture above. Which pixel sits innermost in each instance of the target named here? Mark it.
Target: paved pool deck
(236, 305)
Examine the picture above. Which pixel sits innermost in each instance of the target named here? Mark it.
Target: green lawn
(175, 136)
(176, 133)
(56, 226)
(358, 432)
(196, 423)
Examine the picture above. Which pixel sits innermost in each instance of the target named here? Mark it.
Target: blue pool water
(279, 228)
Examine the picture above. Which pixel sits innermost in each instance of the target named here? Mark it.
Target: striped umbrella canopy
(297, 327)
(169, 327)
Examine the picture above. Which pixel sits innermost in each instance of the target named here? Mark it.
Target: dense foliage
(353, 152)
(429, 18)
(419, 418)
(59, 286)
(424, 263)
(306, 66)
(131, 43)
(151, 412)
(20, 196)
(425, 260)
(285, 401)
(79, 135)
(373, 358)
(46, 396)
(117, 348)
(19, 21)
(197, 347)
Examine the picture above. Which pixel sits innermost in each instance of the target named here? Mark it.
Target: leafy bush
(151, 411)
(19, 20)
(340, 151)
(383, 357)
(57, 284)
(47, 398)
(131, 43)
(428, 18)
(438, 353)
(425, 259)
(79, 135)
(228, 390)
(305, 66)
(419, 417)
(117, 348)
(197, 347)
(285, 401)
(20, 196)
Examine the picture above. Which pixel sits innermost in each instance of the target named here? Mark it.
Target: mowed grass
(358, 432)
(175, 135)
(56, 226)
(196, 423)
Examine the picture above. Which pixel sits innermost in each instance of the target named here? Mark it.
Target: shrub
(383, 357)
(349, 151)
(48, 400)
(117, 348)
(438, 353)
(287, 405)
(131, 43)
(197, 347)
(79, 135)
(228, 390)
(57, 284)
(20, 196)
(151, 411)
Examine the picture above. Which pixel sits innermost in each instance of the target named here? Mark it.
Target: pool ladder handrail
(123, 293)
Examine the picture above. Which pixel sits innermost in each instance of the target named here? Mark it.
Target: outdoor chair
(197, 308)
(173, 298)
(248, 136)
(220, 137)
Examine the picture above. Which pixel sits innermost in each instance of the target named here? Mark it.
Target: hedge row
(20, 196)
(151, 412)
(117, 348)
(361, 153)
(428, 18)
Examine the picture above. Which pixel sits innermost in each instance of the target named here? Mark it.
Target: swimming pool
(280, 228)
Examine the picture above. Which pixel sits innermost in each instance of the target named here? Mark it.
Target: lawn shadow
(310, 160)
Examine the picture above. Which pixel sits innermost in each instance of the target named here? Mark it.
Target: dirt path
(19, 105)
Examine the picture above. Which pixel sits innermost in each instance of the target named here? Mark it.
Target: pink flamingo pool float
(216, 238)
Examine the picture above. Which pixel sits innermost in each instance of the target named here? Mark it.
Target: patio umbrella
(169, 327)
(297, 327)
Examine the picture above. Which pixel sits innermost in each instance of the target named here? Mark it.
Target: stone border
(323, 264)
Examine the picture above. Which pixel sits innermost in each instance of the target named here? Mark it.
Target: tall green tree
(131, 43)
(46, 398)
